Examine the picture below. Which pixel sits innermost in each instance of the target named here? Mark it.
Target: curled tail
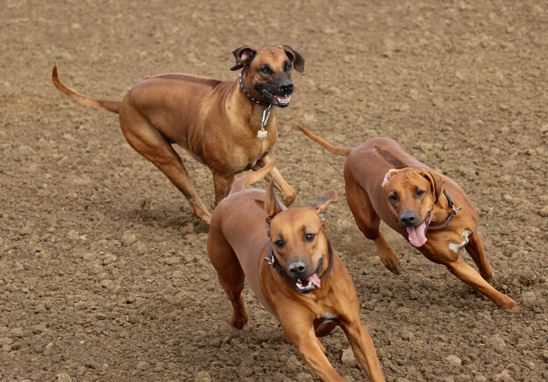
(253, 176)
(113, 106)
(344, 151)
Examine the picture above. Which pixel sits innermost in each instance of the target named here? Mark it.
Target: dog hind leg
(229, 272)
(151, 144)
(476, 251)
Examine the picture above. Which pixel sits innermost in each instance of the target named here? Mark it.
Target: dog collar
(450, 216)
(274, 263)
(262, 133)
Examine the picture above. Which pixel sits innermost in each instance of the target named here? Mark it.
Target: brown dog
(427, 208)
(293, 270)
(225, 125)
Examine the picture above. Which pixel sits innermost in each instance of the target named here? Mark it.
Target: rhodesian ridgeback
(432, 212)
(226, 125)
(290, 264)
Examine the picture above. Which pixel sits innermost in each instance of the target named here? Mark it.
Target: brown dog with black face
(432, 212)
(290, 264)
(227, 125)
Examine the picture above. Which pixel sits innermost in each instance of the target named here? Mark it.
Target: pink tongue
(314, 279)
(417, 235)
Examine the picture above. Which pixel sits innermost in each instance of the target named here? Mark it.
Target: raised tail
(253, 176)
(344, 151)
(113, 106)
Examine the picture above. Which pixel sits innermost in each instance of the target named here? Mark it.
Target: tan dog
(427, 208)
(225, 125)
(292, 268)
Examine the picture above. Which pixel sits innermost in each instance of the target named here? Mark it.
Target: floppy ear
(436, 181)
(296, 59)
(387, 176)
(271, 205)
(322, 203)
(243, 55)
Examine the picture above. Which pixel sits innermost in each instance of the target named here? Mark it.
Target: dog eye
(287, 66)
(419, 192)
(309, 236)
(266, 69)
(394, 197)
(279, 243)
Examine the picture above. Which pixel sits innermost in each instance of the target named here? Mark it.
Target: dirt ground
(103, 270)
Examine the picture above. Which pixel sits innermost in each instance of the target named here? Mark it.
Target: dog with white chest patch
(383, 182)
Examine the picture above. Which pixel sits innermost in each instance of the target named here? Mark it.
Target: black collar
(248, 95)
(450, 216)
(273, 261)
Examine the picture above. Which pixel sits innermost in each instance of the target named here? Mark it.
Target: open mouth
(417, 234)
(278, 100)
(308, 284)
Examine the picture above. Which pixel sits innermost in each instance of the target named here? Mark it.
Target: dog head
(299, 240)
(412, 193)
(267, 72)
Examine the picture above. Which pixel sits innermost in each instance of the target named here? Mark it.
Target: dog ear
(272, 206)
(436, 181)
(243, 55)
(322, 203)
(387, 176)
(296, 59)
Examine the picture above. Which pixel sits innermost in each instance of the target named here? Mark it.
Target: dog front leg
(287, 192)
(222, 186)
(311, 350)
(471, 277)
(364, 349)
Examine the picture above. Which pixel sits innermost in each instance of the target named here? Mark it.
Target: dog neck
(265, 108)
(273, 261)
(450, 215)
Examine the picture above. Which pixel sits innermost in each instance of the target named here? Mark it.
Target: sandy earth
(103, 269)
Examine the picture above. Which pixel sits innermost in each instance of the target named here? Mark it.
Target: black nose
(286, 87)
(297, 268)
(408, 218)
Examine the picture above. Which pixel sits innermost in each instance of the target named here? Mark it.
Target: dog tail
(343, 151)
(112, 106)
(253, 176)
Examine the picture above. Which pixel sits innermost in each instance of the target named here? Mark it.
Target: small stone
(401, 379)
(48, 350)
(109, 258)
(172, 260)
(529, 298)
(454, 360)
(503, 376)
(73, 235)
(507, 198)
(63, 377)
(304, 377)
(143, 365)
(347, 357)
(480, 378)
(497, 342)
(108, 284)
(245, 372)
(188, 228)
(202, 376)
(543, 211)
(17, 332)
(128, 238)
(407, 335)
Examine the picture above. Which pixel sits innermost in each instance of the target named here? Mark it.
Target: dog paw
(509, 304)
(238, 322)
(392, 263)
